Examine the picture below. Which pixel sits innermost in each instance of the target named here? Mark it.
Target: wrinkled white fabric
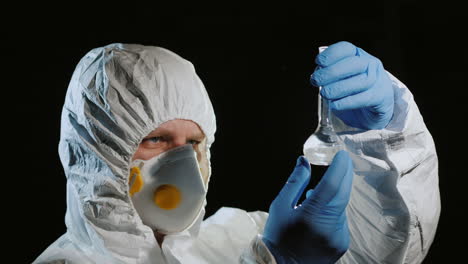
(119, 93)
(395, 202)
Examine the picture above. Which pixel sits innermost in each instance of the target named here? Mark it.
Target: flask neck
(323, 111)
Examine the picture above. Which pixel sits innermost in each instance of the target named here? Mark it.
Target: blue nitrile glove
(357, 85)
(317, 230)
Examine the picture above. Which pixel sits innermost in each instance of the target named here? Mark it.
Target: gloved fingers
(335, 53)
(341, 243)
(309, 193)
(348, 86)
(362, 99)
(296, 184)
(342, 69)
(336, 182)
(341, 199)
(365, 99)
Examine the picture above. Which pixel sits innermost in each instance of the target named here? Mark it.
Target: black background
(255, 63)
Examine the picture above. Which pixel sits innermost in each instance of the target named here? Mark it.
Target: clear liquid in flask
(323, 144)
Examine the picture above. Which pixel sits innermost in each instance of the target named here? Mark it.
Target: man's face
(172, 134)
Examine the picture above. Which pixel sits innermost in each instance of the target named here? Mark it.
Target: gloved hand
(357, 85)
(315, 231)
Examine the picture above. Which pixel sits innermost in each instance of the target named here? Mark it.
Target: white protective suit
(120, 93)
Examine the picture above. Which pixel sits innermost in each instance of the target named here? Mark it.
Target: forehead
(179, 127)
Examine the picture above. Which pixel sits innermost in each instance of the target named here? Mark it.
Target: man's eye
(153, 139)
(194, 142)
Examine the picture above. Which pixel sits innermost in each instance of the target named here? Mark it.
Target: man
(130, 107)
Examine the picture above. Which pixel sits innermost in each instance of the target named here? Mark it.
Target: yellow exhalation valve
(135, 180)
(167, 197)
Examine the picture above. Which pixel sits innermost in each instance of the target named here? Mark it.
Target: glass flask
(323, 144)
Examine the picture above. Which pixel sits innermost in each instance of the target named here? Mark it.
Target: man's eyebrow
(198, 135)
(158, 133)
(163, 132)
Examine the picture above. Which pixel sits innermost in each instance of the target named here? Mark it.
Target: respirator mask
(167, 190)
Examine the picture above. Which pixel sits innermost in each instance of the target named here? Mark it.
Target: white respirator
(168, 191)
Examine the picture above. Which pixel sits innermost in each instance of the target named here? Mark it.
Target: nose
(178, 141)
